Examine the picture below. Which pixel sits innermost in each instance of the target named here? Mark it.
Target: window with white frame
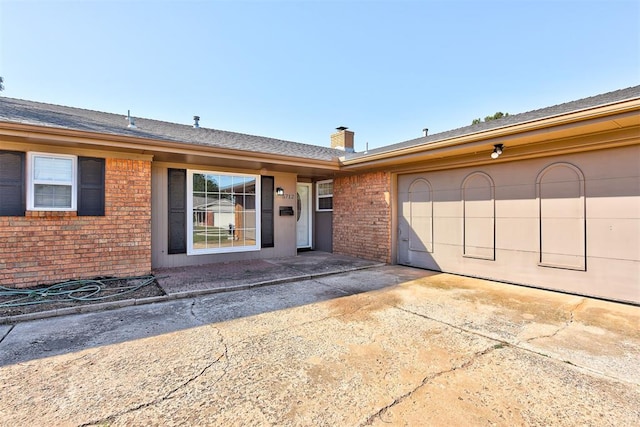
(52, 182)
(324, 195)
(222, 212)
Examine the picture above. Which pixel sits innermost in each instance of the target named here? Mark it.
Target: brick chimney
(342, 139)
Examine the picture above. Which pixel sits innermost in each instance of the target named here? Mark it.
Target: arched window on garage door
(478, 198)
(561, 201)
(421, 216)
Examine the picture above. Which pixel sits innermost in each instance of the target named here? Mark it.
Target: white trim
(190, 249)
(318, 197)
(309, 215)
(31, 181)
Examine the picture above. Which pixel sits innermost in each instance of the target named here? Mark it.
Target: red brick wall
(49, 247)
(362, 216)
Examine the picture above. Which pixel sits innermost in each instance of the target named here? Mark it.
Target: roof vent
(132, 123)
(425, 131)
(196, 120)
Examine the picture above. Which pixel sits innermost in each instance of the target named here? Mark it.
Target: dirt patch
(76, 293)
(361, 307)
(624, 320)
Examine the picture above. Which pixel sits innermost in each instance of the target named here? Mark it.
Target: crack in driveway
(451, 325)
(563, 327)
(7, 334)
(111, 418)
(428, 379)
(194, 315)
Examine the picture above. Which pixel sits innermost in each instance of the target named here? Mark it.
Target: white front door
(303, 215)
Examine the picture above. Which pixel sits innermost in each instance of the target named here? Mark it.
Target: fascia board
(45, 135)
(501, 134)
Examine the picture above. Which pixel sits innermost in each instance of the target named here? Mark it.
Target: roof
(61, 117)
(78, 119)
(511, 120)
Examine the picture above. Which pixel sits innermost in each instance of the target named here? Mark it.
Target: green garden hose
(75, 290)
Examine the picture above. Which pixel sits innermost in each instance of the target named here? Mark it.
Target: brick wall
(362, 216)
(49, 247)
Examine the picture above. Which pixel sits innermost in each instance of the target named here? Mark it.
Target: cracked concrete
(383, 411)
(561, 328)
(390, 345)
(4, 331)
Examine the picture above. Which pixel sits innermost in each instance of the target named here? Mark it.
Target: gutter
(69, 137)
(450, 144)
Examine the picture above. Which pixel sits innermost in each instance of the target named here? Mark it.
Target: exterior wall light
(280, 191)
(497, 150)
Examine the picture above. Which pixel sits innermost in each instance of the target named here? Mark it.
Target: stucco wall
(362, 216)
(48, 247)
(284, 226)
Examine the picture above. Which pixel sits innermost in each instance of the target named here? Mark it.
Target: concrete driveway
(385, 346)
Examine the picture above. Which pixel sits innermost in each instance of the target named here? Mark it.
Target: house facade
(548, 198)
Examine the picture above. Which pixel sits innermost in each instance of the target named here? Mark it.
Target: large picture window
(52, 182)
(222, 212)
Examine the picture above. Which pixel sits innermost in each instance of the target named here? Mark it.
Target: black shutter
(266, 229)
(12, 178)
(177, 211)
(91, 186)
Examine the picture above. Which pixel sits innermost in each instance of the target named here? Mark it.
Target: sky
(296, 70)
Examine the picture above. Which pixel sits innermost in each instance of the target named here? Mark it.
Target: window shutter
(177, 211)
(91, 187)
(12, 178)
(267, 212)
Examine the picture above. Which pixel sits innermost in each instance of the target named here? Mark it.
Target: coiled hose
(75, 290)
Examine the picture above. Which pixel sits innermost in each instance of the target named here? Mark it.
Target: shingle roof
(57, 116)
(511, 120)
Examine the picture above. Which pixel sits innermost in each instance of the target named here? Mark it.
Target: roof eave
(447, 147)
(156, 147)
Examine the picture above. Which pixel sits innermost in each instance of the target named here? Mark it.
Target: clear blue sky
(297, 69)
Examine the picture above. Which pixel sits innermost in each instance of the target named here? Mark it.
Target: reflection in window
(222, 213)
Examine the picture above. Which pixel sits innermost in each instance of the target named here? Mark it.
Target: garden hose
(75, 290)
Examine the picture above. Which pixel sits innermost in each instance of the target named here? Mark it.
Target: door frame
(309, 214)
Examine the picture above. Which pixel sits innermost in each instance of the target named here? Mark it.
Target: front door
(303, 213)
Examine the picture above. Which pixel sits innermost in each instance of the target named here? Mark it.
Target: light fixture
(280, 191)
(497, 150)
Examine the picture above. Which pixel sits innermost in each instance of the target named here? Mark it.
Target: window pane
(226, 184)
(53, 169)
(250, 185)
(52, 196)
(325, 189)
(223, 212)
(213, 183)
(325, 203)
